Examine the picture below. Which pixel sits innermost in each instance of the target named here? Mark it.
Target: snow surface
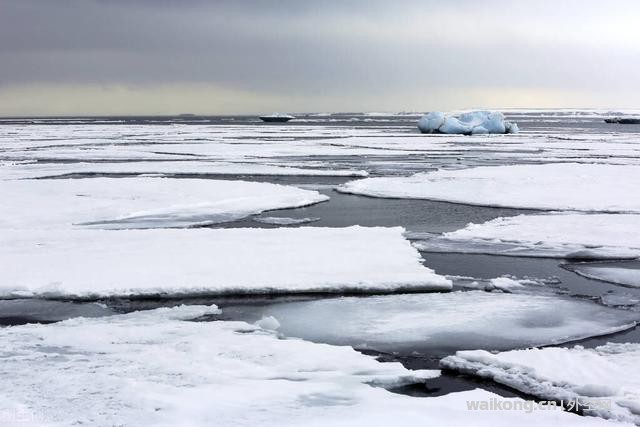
(608, 373)
(140, 202)
(99, 263)
(563, 186)
(108, 371)
(560, 235)
(468, 123)
(455, 320)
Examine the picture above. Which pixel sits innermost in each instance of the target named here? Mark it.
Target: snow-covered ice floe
(558, 186)
(102, 263)
(454, 321)
(626, 274)
(140, 202)
(23, 170)
(469, 123)
(108, 371)
(604, 379)
(557, 235)
(277, 220)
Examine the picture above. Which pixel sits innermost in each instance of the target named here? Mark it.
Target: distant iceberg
(470, 123)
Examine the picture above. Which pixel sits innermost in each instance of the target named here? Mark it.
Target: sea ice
(605, 376)
(277, 220)
(558, 186)
(102, 263)
(452, 321)
(626, 274)
(22, 170)
(469, 123)
(131, 370)
(563, 235)
(140, 202)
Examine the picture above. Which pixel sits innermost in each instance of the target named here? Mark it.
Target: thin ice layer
(451, 321)
(604, 377)
(99, 263)
(562, 186)
(108, 371)
(140, 202)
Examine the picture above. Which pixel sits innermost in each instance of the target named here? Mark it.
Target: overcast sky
(250, 56)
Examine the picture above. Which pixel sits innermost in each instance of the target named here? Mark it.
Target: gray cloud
(359, 49)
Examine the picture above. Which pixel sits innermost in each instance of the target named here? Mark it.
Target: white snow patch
(606, 374)
(99, 263)
(269, 323)
(504, 284)
(562, 186)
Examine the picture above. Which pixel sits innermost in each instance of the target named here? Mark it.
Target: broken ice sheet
(109, 370)
(448, 321)
(606, 375)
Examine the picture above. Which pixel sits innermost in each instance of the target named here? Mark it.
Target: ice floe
(558, 186)
(277, 220)
(140, 202)
(132, 370)
(99, 263)
(562, 235)
(603, 379)
(468, 123)
(451, 321)
(22, 170)
(626, 274)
